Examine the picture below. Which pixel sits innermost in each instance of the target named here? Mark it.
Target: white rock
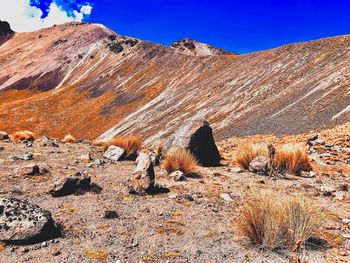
(178, 176)
(227, 197)
(114, 153)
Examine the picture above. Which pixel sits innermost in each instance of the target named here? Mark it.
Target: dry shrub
(130, 143)
(23, 135)
(69, 139)
(292, 158)
(180, 160)
(275, 222)
(247, 152)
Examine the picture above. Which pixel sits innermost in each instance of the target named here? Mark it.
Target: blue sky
(240, 26)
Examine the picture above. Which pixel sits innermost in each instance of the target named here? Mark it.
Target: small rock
(29, 170)
(85, 157)
(319, 142)
(114, 153)
(327, 190)
(143, 177)
(56, 252)
(346, 236)
(227, 197)
(99, 161)
(77, 182)
(4, 136)
(237, 170)
(178, 176)
(346, 220)
(172, 196)
(110, 215)
(339, 196)
(259, 165)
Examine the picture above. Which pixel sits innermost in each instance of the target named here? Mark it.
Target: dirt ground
(187, 222)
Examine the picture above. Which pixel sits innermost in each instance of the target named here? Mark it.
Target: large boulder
(75, 183)
(143, 177)
(25, 223)
(197, 137)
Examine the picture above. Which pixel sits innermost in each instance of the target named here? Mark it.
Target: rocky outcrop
(5, 32)
(25, 223)
(143, 178)
(114, 153)
(196, 136)
(191, 47)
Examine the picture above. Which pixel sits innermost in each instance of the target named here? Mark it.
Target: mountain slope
(84, 79)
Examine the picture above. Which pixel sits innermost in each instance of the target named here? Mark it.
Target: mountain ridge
(78, 78)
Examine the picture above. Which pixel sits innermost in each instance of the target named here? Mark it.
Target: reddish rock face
(76, 78)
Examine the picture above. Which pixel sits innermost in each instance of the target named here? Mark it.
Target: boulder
(75, 183)
(259, 165)
(143, 177)
(197, 137)
(29, 170)
(25, 223)
(114, 153)
(178, 176)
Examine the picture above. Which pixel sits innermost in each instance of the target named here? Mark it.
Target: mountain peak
(192, 47)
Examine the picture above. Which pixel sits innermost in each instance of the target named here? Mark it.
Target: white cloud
(25, 18)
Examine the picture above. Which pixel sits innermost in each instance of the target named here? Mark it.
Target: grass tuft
(292, 158)
(180, 160)
(246, 153)
(276, 223)
(23, 135)
(130, 143)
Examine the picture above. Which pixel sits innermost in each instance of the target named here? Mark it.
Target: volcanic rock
(25, 223)
(143, 177)
(75, 183)
(197, 137)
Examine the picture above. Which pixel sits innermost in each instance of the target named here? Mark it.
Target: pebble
(227, 197)
(346, 221)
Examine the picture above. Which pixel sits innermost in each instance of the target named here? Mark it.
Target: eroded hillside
(86, 80)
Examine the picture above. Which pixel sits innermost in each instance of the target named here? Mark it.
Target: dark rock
(25, 223)
(75, 183)
(116, 47)
(4, 136)
(143, 178)
(110, 215)
(197, 137)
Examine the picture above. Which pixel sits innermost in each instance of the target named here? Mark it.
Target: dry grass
(273, 223)
(130, 143)
(23, 135)
(180, 160)
(69, 139)
(292, 158)
(247, 152)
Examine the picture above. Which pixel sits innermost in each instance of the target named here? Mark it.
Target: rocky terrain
(86, 80)
(186, 221)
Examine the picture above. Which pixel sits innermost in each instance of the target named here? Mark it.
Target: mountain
(5, 32)
(87, 80)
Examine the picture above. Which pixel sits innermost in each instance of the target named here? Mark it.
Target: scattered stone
(339, 196)
(2, 148)
(75, 183)
(29, 170)
(197, 137)
(85, 157)
(310, 174)
(346, 220)
(110, 215)
(99, 161)
(114, 153)
(143, 177)
(172, 195)
(4, 136)
(346, 236)
(259, 165)
(178, 176)
(327, 190)
(25, 223)
(237, 170)
(227, 197)
(24, 157)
